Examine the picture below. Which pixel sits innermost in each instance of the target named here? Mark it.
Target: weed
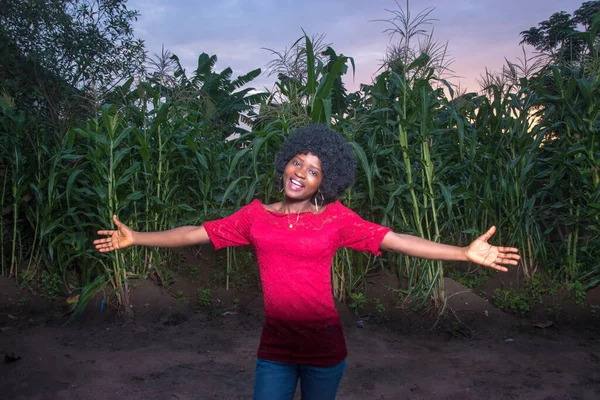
(554, 310)
(193, 271)
(471, 279)
(511, 300)
(27, 280)
(380, 315)
(357, 303)
(50, 285)
(577, 293)
(206, 303)
(205, 298)
(24, 301)
(453, 328)
(520, 301)
(182, 297)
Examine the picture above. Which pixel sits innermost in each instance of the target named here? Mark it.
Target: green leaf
(310, 67)
(135, 196)
(364, 162)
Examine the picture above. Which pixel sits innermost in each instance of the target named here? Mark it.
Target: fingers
(507, 261)
(103, 241)
(498, 267)
(512, 256)
(105, 249)
(104, 245)
(508, 250)
(486, 236)
(118, 223)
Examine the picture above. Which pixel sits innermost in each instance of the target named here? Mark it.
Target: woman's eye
(296, 164)
(313, 173)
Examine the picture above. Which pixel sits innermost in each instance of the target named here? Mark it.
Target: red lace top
(294, 253)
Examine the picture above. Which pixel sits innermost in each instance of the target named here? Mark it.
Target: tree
(215, 98)
(87, 43)
(556, 37)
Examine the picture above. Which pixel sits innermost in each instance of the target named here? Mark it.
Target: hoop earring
(322, 200)
(281, 184)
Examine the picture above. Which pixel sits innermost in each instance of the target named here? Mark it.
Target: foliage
(520, 300)
(556, 37)
(380, 311)
(357, 302)
(471, 279)
(214, 97)
(205, 302)
(316, 96)
(409, 28)
(50, 286)
(204, 297)
(433, 163)
(577, 293)
(87, 43)
(510, 300)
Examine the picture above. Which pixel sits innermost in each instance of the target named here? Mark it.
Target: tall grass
(431, 163)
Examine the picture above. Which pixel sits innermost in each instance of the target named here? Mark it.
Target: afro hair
(338, 161)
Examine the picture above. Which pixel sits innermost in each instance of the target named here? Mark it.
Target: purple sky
(480, 33)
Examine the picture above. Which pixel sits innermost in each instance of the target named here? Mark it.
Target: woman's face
(302, 177)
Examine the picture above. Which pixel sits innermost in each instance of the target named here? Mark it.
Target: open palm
(120, 238)
(483, 253)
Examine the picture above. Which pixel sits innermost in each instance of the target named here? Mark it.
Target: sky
(480, 33)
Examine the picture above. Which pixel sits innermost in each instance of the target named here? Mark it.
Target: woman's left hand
(481, 252)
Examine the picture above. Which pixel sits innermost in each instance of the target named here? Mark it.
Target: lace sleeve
(231, 231)
(358, 234)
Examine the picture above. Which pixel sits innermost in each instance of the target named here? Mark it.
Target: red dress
(302, 324)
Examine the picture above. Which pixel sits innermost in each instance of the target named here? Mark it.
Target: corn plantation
(524, 156)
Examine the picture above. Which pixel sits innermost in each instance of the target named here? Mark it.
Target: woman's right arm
(124, 237)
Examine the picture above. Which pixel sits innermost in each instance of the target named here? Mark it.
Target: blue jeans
(277, 380)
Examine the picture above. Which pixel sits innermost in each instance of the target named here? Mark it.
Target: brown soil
(171, 349)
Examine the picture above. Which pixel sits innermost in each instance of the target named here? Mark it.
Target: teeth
(295, 182)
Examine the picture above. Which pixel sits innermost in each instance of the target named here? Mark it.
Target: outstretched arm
(479, 251)
(124, 237)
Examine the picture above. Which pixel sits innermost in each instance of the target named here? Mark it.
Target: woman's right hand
(120, 238)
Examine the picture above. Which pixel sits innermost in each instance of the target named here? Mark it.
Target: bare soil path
(167, 351)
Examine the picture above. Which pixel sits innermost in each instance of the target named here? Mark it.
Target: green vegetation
(206, 303)
(357, 302)
(520, 300)
(380, 311)
(471, 279)
(205, 298)
(182, 297)
(524, 154)
(509, 299)
(577, 292)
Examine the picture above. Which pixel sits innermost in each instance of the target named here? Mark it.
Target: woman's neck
(295, 207)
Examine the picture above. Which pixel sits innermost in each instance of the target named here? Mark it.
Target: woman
(295, 241)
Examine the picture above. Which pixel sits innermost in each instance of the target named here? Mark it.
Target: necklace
(288, 219)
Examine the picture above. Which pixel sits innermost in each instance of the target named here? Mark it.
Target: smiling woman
(333, 153)
(295, 241)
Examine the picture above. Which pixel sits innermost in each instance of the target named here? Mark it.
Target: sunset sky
(480, 33)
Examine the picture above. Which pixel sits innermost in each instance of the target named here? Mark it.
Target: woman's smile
(295, 185)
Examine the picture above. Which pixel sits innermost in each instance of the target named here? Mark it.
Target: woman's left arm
(479, 251)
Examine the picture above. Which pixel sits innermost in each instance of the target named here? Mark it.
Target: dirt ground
(170, 349)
